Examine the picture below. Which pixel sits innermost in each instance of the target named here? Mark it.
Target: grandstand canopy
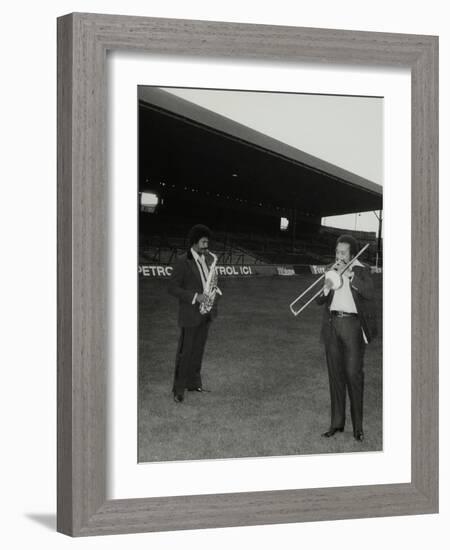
(187, 149)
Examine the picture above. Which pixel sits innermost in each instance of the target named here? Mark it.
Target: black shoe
(359, 436)
(332, 431)
(178, 397)
(200, 390)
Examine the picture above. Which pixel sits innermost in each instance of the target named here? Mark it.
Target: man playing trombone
(348, 324)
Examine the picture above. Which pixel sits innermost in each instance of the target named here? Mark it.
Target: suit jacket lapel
(193, 265)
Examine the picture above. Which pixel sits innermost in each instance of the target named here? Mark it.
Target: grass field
(266, 371)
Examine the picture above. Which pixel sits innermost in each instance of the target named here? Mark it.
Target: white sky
(346, 131)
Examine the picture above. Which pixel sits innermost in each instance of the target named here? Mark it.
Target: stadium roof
(183, 142)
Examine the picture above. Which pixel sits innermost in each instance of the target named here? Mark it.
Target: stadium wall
(154, 271)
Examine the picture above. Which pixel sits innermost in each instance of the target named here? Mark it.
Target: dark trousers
(344, 347)
(188, 362)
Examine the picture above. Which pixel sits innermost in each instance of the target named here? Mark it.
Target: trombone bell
(334, 278)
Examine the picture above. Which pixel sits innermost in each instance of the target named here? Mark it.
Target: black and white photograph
(222, 279)
(260, 274)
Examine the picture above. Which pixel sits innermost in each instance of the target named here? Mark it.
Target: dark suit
(184, 283)
(345, 347)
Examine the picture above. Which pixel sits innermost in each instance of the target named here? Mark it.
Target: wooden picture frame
(83, 41)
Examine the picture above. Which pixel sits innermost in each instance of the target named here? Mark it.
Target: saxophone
(211, 288)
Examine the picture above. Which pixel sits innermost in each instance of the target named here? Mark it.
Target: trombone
(332, 275)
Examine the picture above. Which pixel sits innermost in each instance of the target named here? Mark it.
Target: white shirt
(343, 297)
(203, 269)
(201, 266)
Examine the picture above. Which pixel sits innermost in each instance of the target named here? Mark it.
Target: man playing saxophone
(194, 283)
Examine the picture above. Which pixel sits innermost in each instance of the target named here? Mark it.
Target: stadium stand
(204, 168)
(255, 249)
